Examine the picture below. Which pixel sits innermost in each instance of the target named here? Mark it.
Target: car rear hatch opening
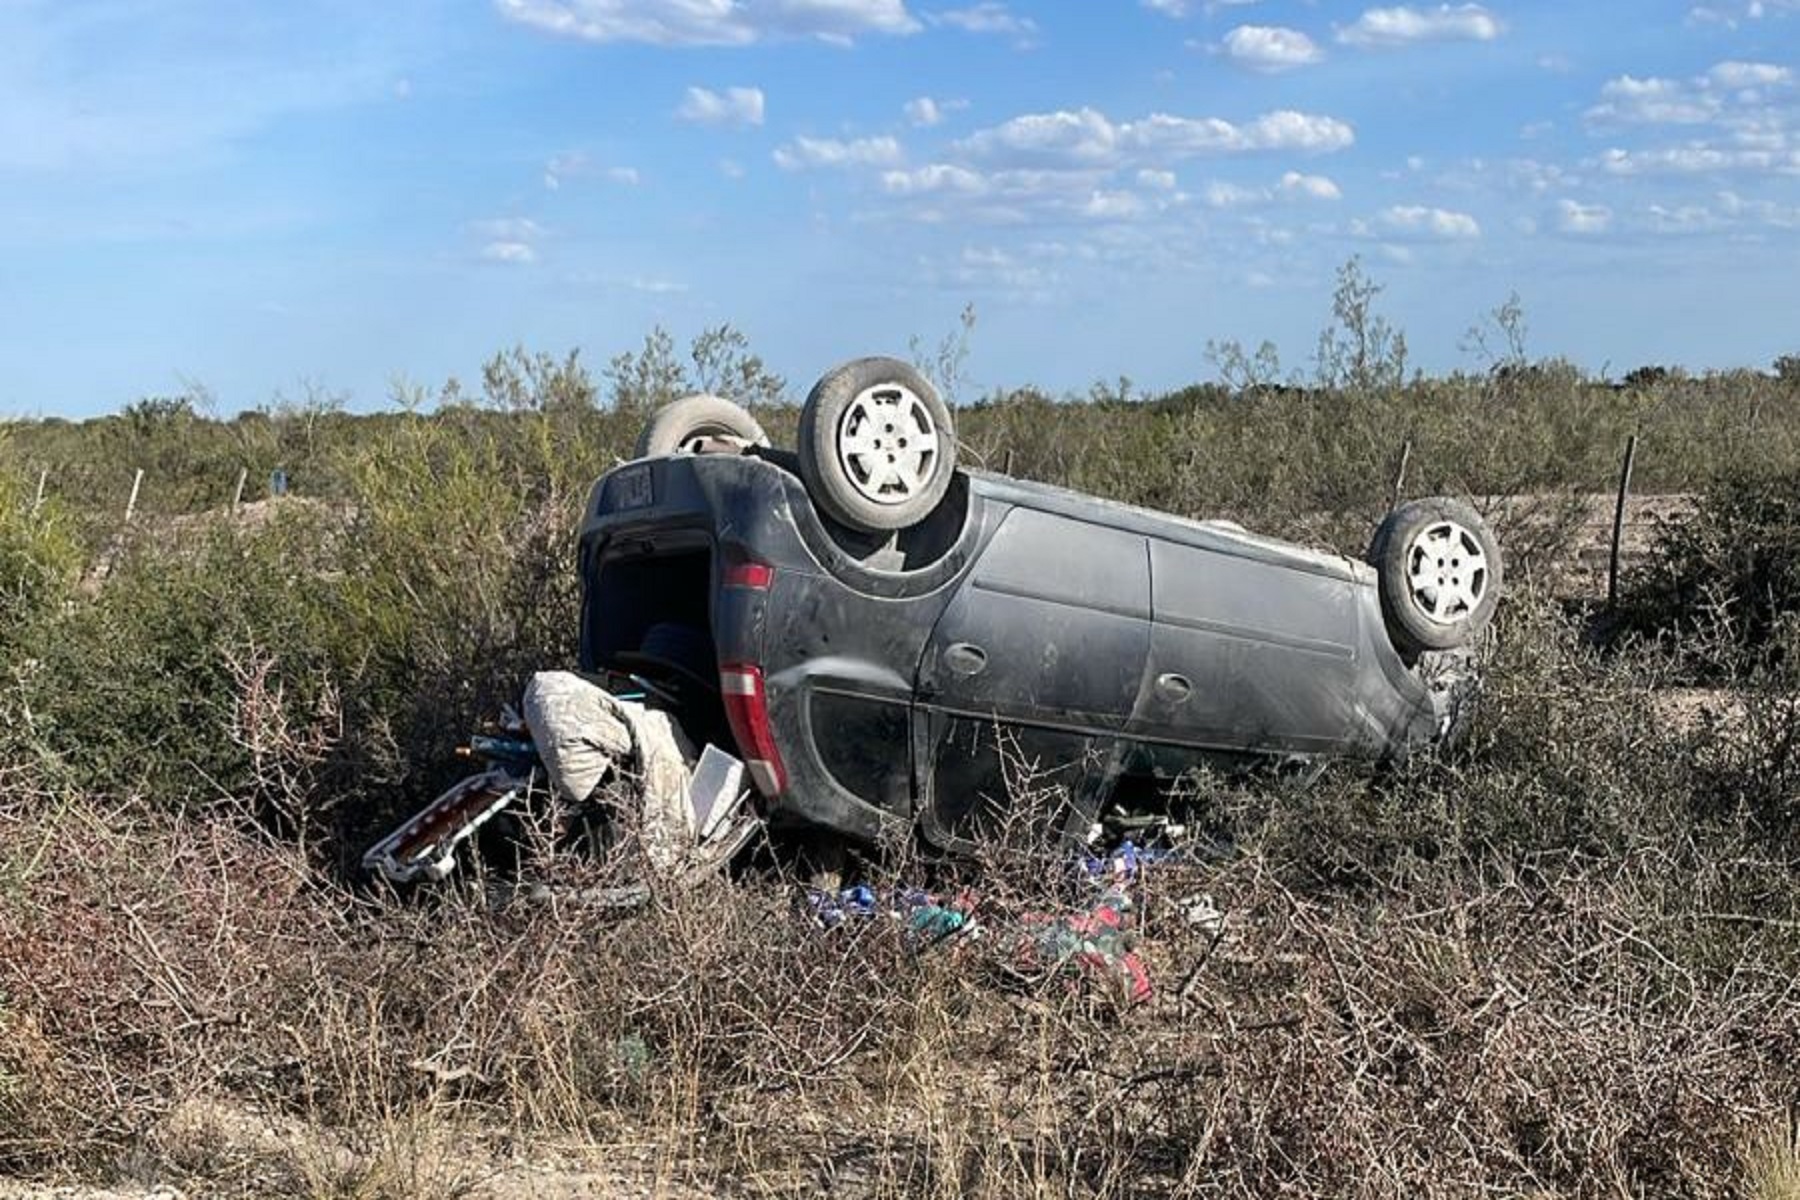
(648, 616)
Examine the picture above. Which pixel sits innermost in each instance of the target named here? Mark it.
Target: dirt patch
(1566, 538)
(238, 1151)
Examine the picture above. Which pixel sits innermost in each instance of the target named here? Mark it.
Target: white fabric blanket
(582, 731)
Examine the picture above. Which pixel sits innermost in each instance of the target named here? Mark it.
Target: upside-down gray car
(887, 639)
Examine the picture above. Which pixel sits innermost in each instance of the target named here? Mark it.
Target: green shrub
(39, 561)
(1722, 586)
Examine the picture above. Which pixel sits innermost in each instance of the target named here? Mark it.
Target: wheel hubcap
(887, 443)
(1447, 571)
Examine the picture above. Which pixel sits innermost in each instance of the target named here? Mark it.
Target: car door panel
(1039, 656)
(1246, 654)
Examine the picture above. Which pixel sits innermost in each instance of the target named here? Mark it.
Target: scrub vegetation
(1562, 961)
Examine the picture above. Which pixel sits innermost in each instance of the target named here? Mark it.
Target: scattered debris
(590, 748)
(1093, 941)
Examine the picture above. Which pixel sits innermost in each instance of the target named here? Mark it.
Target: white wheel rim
(1447, 572)
(887, 444)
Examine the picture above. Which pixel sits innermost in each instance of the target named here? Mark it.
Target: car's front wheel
(877, 450)
(691, 424)
(1438, 570)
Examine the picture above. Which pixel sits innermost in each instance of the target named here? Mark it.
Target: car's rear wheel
(693, 424)
(1438, 567)
(877, 449)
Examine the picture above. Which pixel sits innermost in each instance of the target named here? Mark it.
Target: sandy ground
(1528, 524)
(253, 1155)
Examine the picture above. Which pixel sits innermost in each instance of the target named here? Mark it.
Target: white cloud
(1281, 130)
(736, 106)
(1766, 212)
(1084, 136)
(1291, 186)
(1726, 92)
(710, 22)
(1537, 177)
(994, 268)
(1081, 165)
(576, 164)
(564, 166)
(517, 253)
(1402, 25)
(1742, 116)
(936, 177)
(1416, 220)
(950, 193)
(1730, 15)
(925, 111)
(1232, 195)
(1627, 100)
(804, 152)
(731, 168)
(989, 16)
(1088, 138)
(1749, 75)
(1310, 187)
(1270, 48)
(1169, 8)
(1697, 157)
(1112, 205)
(511, 240)
(1577, 218)
(1686, 218)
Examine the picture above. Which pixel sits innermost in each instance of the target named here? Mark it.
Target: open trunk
(647, 615)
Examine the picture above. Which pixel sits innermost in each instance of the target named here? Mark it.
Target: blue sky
(259, 198)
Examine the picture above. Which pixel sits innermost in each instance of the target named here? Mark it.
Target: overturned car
(889, 641)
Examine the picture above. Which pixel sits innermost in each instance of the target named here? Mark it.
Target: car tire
(679, 426)
(1438, 570)
(877, 449)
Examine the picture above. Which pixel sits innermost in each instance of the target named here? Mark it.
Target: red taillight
(753, 575)
(747, 709)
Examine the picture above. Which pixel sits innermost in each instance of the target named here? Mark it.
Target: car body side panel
(1052, 627)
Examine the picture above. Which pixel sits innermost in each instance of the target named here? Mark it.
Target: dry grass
(1772, 1164)
(186, 1000)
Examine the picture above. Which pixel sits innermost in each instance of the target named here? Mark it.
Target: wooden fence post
(1612, 564)
(43, 477)
(1400, 475)
(137, 481)
(237, 497)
